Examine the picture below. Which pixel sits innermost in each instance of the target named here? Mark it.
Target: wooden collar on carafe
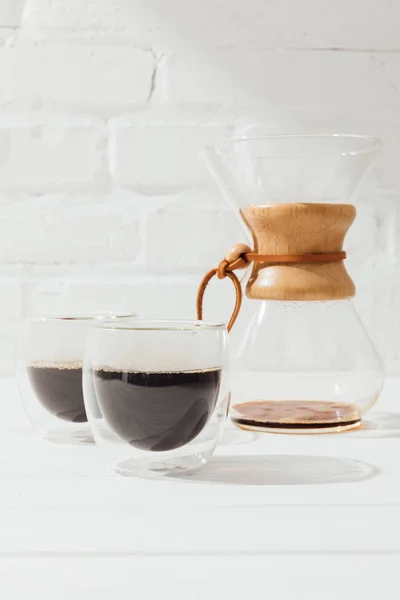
(298, 255)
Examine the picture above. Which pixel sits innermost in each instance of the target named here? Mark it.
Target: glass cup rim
(83, 317)
(161, 325)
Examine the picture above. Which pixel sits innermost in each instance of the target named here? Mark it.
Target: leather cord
(318, 257)
(237, 259)
(202, 288)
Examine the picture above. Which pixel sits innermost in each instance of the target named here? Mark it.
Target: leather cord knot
(221, 270)
(235, 259)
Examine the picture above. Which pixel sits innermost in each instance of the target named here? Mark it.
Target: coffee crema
(58, 386)
(157, 411)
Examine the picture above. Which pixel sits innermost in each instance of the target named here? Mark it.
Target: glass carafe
(302, 360)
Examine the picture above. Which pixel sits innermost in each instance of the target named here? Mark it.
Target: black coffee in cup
(58, 387)
(157, 411)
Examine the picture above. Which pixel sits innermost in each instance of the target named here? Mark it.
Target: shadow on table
(378, 425)
(282, 470)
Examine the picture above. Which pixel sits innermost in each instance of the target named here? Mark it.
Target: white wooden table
(275, 516)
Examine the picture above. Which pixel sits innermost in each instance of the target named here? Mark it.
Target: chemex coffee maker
(301, 358)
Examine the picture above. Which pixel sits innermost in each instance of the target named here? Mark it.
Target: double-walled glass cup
(156, 393)
(49, 369)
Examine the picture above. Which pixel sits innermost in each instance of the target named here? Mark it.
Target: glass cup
(49, 371)
(156, 393)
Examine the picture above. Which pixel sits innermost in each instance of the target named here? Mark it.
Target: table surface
(315, 515)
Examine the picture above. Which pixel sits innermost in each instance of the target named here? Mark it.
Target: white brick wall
(217, 23)
(52, 156)
(10, 12)
(294, 77)
(162, 157)
(103, 107)
(179, 239)
(88, 78)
